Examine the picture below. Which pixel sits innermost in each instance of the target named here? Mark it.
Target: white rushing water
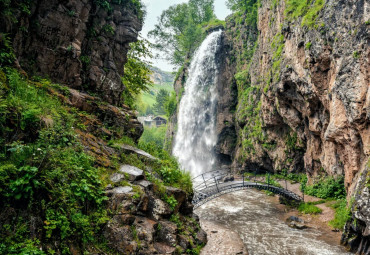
(255, 218)
(196, 131)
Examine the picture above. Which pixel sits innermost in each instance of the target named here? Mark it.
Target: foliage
(342, 214)
(328, 187)
(307, 9)
(179, 29)
(248, 7)
(154, 135)
(309, 208)
(161, 100)
(6, 51)
(45, 171)
(137, 71)
(168, 169)
(171, 105)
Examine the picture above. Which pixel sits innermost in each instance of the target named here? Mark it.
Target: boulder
(166, 232)
(140, 153)
(133, 173)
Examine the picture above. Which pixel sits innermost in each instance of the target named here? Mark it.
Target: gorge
(279, 91)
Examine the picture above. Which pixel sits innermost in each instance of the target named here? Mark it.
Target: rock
(166, 232)
(141, 153)
(61, 46)
(116, 177)
(178, 194)
(228, 178)
(158, 209)
(133, 172)
(162, 248)
(201, 237)
(119, 190)
(145, 184)
(295, 222)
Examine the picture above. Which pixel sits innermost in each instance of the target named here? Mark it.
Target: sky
(154, 9)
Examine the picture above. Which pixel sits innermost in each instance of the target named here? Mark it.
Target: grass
(309, 208)
(307, 9)
(342, 214)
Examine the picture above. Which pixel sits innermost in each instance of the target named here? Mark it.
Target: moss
(308, 45)
(308, 10)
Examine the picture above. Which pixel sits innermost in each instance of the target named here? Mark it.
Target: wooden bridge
(210, 185)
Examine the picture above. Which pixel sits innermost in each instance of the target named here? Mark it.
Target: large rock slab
(141, 153)
(133, 173)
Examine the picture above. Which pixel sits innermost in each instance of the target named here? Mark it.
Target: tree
(137, 72)
(178, 32)
(161, 99)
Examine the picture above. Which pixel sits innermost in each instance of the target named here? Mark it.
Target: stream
(255, 218)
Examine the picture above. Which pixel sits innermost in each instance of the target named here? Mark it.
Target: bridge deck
(213, 187)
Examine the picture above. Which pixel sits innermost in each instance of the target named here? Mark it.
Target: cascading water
(196, 131)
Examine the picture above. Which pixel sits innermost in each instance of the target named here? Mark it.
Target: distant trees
(137, 72)
(161, 99)
(179, 30)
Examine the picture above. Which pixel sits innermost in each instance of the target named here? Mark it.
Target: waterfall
(196, 128)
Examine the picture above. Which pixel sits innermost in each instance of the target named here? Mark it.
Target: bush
(328, 187)
(44, 171)
(309, 208)
(342, 214)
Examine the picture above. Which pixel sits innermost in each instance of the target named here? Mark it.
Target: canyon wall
(80, 43)
(304, 95)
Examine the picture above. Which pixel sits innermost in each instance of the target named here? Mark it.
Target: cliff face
(304, 94)
(80, 43)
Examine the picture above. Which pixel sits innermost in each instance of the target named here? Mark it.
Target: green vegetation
(167, 169)
(356, 54)
(181, 28)
(309, 208)
(308, 45)
(327, 187)
(137, 71)
(342, 214)
(44, 169)
(154, 135)
(307, 9)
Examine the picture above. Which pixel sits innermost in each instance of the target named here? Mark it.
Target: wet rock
(178, 194)
(141, 153)
(133, 173)
(295, 222)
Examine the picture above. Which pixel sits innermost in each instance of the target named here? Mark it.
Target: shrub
(309, 208)
(327, 188)
(342, 214)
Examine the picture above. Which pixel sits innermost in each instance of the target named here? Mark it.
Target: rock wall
(304, 97)
(80, 43)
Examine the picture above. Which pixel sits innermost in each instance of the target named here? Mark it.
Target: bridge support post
(216, 184)
(243, 179)
(204, 181)
(268, 180)
(286, 185)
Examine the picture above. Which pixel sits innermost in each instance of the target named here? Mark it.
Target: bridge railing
(218, 181)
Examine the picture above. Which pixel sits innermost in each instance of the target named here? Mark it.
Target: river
(257, 220)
